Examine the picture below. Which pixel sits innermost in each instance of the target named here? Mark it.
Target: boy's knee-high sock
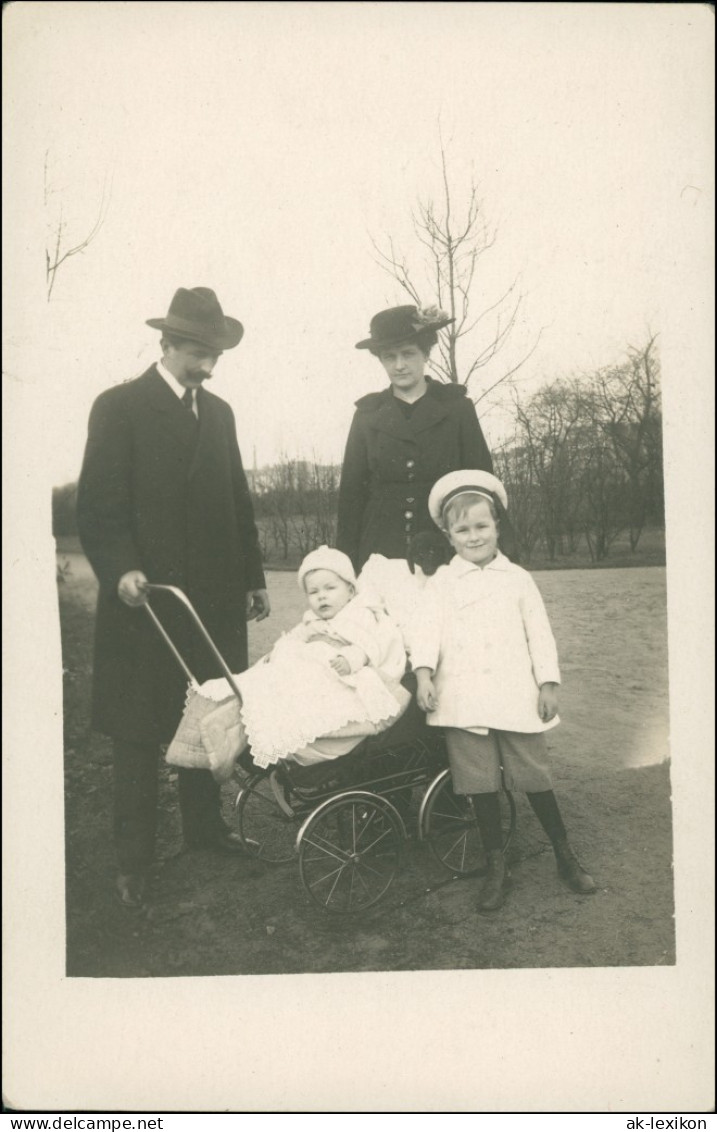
(547, 812)
(487, 811)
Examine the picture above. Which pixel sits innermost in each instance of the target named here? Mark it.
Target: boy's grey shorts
(476, 761)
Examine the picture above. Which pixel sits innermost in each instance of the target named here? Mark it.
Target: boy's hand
(426, 690)
(340, 665)
(548, 702)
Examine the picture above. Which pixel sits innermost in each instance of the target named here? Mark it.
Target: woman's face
(405, 365)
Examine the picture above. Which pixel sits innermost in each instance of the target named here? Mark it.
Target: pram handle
(182, 597)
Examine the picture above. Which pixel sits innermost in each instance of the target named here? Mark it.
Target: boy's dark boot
(548, 814)
(492, 893)
(571, 870)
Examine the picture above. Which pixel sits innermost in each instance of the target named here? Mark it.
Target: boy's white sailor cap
(456, 483)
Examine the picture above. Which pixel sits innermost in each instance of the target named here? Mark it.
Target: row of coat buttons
(410, 464)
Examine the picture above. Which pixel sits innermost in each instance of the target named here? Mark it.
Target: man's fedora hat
(197, 315)
(402, 324)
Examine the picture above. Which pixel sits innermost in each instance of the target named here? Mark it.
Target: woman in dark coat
(403, 439)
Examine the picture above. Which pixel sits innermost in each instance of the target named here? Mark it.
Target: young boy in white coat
(487, 671)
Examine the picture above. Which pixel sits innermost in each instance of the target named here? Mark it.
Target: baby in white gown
(327, 683)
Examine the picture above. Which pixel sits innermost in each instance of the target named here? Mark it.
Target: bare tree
(275, 489)
(603, 493)
(296, 504)
(552, 430)
(587, 456)
(514, 467)
(628, 409)
(454, 241)
(56, 250)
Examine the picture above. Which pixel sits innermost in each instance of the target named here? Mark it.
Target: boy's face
(327, 593)
(473, 533)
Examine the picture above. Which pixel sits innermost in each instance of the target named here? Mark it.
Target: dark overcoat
(392, 461)
(161, 494)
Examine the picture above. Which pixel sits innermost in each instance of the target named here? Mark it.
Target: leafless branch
(511, 372)
(451, 240)
(55, 259)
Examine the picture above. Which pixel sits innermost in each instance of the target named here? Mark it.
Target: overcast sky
(254, 148)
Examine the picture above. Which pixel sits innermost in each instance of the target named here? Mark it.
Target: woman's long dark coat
(392, 461)
(161, 494)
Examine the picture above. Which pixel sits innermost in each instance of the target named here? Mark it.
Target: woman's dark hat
(196, 314)
(402, 324)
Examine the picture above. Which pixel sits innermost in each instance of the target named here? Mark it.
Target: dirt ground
(210, 915)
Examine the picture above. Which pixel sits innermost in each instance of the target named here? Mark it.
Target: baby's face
(327, 593)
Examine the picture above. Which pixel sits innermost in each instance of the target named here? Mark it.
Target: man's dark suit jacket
(160, 494)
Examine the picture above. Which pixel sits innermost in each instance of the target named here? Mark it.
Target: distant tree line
(583, 467)
(585, 462)
(295, 502)
(64, 505)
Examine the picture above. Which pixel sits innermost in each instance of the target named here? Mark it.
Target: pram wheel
(349, 851)
(265, 830)
(449, 826)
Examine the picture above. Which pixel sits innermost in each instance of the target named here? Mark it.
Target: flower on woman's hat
(426, 318)
(403, 324)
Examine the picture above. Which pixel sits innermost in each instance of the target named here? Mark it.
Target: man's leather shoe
(129, 889)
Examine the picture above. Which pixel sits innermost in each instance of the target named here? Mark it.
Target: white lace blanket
(295, 698)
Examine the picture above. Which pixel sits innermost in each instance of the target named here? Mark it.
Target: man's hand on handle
(132, 588)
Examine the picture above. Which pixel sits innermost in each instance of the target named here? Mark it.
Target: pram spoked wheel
(350, 851)
(448, 824)
(266, 831)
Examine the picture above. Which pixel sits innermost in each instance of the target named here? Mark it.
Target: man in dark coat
(163, 498)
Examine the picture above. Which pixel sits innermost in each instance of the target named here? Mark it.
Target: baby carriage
(346, 821)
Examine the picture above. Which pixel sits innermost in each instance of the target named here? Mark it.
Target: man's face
(190, 362)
